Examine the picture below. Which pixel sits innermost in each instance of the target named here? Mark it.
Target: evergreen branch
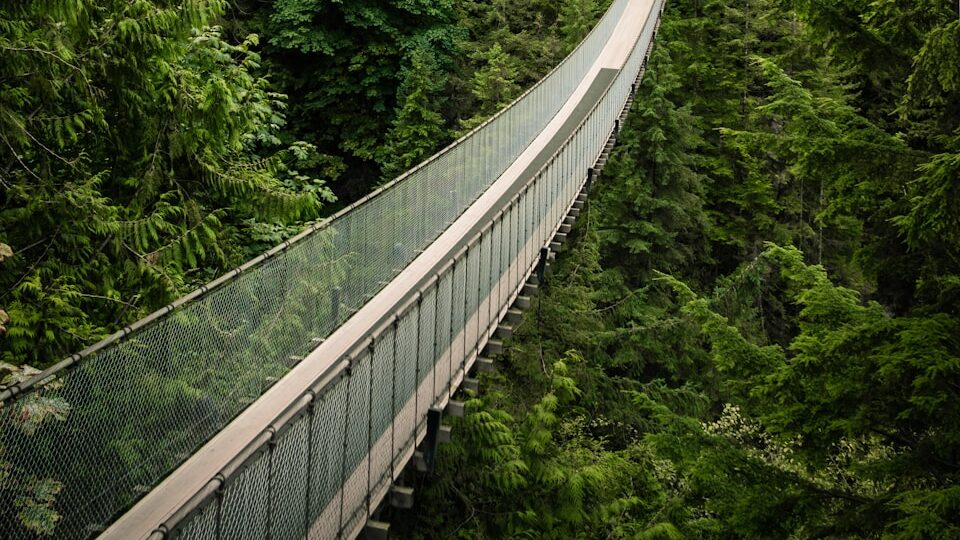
(832, 493)
(175, 241)
(96, 297)
(17, 156)
(466, 502)
(613, 306)
(841, 142)
(156, 148)
(70, 164)
(152, 264)
(33, 245)
(43, 255)
(45, 53)
(647, 328)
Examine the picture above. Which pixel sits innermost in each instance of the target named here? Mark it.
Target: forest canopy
(754, 334)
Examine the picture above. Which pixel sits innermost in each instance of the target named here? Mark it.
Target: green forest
(754, 332)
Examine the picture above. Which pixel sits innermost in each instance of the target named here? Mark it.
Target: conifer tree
(575, 19)
(656, 212)
(493, 85)
(418, 127)
(855, 419)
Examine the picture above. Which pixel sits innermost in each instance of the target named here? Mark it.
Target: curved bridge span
(284, 399)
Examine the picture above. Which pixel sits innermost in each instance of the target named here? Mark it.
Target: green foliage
(32, 498)
(814, 150)
(859, 412)
(548, 478)
(136, 142)
(526, 30)
(686, 372)
(349, 63)
(379, 85)
(418, 127)
(759, 310)
(494, 83)
(657, 214)
(576, 18)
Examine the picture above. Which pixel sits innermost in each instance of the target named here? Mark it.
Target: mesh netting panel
(457, 315)
(472, 296)
(288, 501)
(202, 525)
(443, 318)
(406, 381)
(244, 510)
(535, 197)
(484, 282)
(348, 257)
(327, 428)
(495, 255)
(542, 204)
(356, 468)
(527, 205)
(505, 257)
(381, 409)
(314, 273)
(550, 192)
(427, 355)
(518, 239)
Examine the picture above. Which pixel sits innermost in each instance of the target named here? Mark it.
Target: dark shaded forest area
(754, 334)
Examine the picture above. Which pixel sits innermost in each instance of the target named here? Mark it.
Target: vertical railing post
(311, 410)
(436, 333)
(218, 526)
(346, 436)
(393, 402)
(515, 261)
(399, 257)
(450, 331)
(371, 350)
(271, 446)
(479, 292)
(416, 369)
(468, 260)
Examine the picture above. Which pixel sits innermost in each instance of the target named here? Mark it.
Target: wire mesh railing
(322, 468)
(144, 399)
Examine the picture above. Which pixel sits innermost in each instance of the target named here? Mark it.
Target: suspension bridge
(285, 398)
